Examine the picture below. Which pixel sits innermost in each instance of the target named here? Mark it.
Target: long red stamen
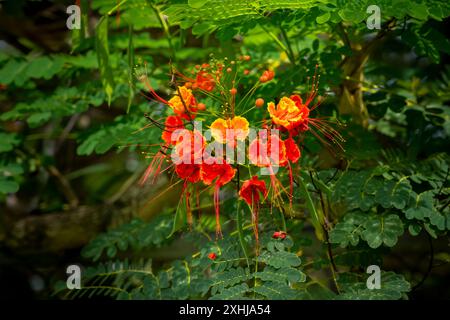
(153, 92)
(154, 168)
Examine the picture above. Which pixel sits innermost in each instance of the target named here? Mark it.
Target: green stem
(241, 234)
(279, 43)
(283, 220)
(324, 187)
(239, 221)
(289, 47)
(254, 281)
(114, 9)
(309, 201)
(165, 27)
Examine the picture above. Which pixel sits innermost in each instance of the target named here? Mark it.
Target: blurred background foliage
(72, 150)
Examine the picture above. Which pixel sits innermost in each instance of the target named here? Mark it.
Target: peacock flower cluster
(238, 141)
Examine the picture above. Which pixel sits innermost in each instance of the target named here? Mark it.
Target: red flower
(279, 235)
(222, 173)
(172, 123)
(189, 147)
(267, 150)
(190, 172)
(212, 256)
(292, 150)
(251, 189)
(250, 192)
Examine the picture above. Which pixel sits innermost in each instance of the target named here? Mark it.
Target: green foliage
(374, 228)
(135, 235)
(384, 229)
(393, 287)
(66, 109)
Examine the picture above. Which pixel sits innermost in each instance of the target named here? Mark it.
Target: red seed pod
(246, 71)
(233, 91)
(259, 102)
(247, 58)
(279, 235)
(212, 256)
(201, 106)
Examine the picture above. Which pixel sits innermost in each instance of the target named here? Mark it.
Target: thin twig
(430, 265)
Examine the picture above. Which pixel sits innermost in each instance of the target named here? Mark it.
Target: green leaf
(352, 15)
(418, 10)
(44, 67)
(394, 194)
(382, 229)
(13, 71)
(282, 275)
(422, 208)
(37, 119)
(275, 291)
(130, 55)
(323, 18)
(349, 230)
(180, 218)
(197, 3)
(393, 287)
(229, 278)
(8, 186)
(103, 57)
(234, 293)
(414, 229)
(280, 259)
(8, 141)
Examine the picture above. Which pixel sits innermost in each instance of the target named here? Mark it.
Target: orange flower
(289, 113)
(182, 101)
(172, 123)
(229, 130)
(265, 151)
(267, 76)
